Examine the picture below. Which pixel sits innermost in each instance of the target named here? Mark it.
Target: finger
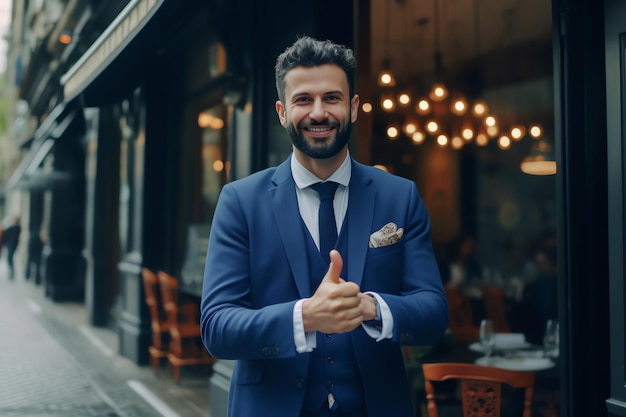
(336, 265)
(349, 321)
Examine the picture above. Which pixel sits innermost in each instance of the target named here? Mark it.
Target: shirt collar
(304, 178)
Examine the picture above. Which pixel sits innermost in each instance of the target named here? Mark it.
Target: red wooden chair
(481, 387)
(158, 321)
(185, 348)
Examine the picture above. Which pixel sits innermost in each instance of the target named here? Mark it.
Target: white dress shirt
(308, 204)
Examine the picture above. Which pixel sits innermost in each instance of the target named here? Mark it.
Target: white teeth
(319, 129)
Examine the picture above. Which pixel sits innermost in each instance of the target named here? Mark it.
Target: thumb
(336, 265)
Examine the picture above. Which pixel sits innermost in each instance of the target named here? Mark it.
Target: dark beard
(325, 151)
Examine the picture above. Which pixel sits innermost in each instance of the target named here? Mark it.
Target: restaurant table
(529, 361)
(513, 352)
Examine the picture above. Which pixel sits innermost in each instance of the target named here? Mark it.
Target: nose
(318, 111)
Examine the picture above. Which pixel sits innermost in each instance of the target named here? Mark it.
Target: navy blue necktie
(327, 224)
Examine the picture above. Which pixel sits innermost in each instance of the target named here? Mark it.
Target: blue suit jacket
(256, 271)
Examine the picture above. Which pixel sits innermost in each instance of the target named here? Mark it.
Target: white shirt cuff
(386, 330)
(305, 342)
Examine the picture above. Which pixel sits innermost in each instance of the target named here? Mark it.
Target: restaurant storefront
(176, 98)
(167, 92)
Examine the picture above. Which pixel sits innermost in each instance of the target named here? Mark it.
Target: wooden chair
(185, 347)
(481, 387)
(461, 321)
(158, 320)
(493, 298)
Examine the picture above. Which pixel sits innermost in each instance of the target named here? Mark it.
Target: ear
(354, 109)
(280, 109)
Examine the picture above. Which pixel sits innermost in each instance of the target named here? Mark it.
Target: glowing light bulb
(480, 108)
(418, 137)
(518, 132)
(423, 106)
(457, 142)
(410, 128)
(535, 131)
(218, 166)
(482, 139)
(459, 107)
(493, 131)
(404, 99)
(388, 104)
(504, 142)
(386, 79)
(467, 133)
(439, 92)
(432, 126)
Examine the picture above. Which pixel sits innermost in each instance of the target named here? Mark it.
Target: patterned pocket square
(387, 235)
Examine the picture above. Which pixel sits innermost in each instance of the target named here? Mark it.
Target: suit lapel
(359, 217)
(289, 222)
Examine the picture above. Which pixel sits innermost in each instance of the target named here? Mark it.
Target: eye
(302, 100)
(333, 98)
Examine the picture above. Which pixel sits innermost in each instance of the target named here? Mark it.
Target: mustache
(325, 122)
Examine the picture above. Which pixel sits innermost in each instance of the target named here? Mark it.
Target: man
(313, 339)
(10, 239)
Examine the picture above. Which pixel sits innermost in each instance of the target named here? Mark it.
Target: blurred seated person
(461, 268)
(540, 296)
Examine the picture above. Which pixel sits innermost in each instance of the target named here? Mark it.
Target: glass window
(465, 110)
(215, 166)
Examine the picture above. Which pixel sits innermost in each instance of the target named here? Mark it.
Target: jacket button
(330, 360)
(300, 383)
(330, 384)
(329, 335)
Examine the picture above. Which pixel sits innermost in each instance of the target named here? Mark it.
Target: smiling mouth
(318, 129)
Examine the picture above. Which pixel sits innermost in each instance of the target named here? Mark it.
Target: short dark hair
(309, 52)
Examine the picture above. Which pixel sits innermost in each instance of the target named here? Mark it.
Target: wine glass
(551, 339)
(487, 337)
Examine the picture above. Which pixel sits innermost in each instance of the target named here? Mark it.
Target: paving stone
(49, 368)
(39, 377)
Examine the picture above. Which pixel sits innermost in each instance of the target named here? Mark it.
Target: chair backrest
(169, 294)
(179, 315)
(169, 287)
(481, 387)
(493, 298)
(150, 284)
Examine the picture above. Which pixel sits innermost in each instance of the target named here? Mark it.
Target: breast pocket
(384, 268)
(385, 250)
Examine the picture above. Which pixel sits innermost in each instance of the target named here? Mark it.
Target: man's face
(317, 112)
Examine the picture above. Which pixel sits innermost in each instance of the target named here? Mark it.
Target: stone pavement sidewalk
(53, 364)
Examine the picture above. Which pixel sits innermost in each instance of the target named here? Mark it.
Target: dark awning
(109, 59)
(29, 164)
(44, 139)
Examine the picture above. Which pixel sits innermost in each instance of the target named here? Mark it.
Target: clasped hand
(337, 306)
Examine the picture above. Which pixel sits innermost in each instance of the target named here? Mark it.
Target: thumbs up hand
(335, 306)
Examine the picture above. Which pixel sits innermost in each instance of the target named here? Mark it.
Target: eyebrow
(327, 93)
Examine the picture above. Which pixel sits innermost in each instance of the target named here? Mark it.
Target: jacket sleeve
(232, 326)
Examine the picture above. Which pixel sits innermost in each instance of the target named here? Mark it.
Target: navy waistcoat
(333, 367)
